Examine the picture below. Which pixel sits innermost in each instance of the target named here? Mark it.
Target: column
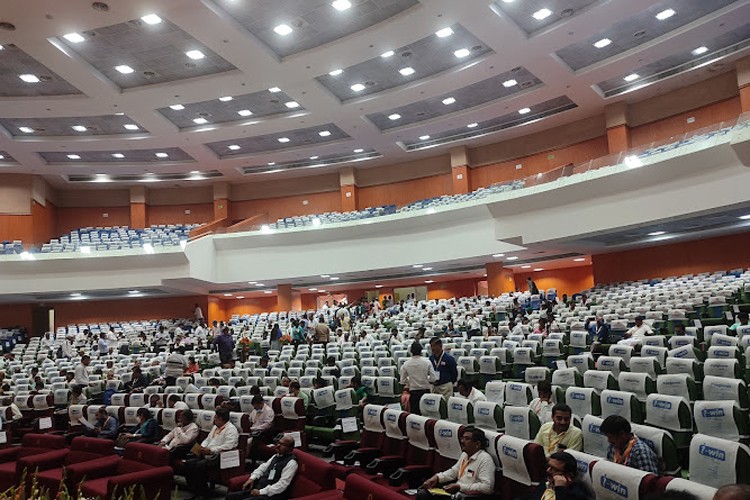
(618, 131)
(743, 82)
(499, 279)
(138, 207)
(284, 297)
(460, 170)
(348, 183)
(221, 200)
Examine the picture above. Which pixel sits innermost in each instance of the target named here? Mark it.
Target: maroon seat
(32, 444)
(358, 487)
(49, 466)
(144, 465)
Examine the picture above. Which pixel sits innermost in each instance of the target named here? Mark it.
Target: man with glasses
(272, 479)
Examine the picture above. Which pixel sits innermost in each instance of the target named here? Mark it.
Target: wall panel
(568, 280)
(15, 315)
(289, 206)
(405, 192)
(175, 214)
(69, 218)
(94, 311)
(452, 289)
(45, 222)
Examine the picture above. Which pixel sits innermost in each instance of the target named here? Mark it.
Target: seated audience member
(559, 435)
(181, 438)
(679, 329)
(262, 416)
(625, 448)
(138, 381)
(542, 406)
(473, 474)
(331, 362)
(205, 458)
(76, 396)
(105, 426)
(295, 391)
(742, 320)
(146, 431)
(174, 402)
(563, 480)
(155, 401)
(467, 391)
(360, 391)
(272, 479)
(192, 366)
(733, 492)
(598, 332)
(285, 381)
(635, 335)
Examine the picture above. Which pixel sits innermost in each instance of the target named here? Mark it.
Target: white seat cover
(510, 452)
(716, 418)
(613, 481)
(713, 460)
(594, 442)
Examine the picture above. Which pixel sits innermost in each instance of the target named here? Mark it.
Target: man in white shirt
(47, 342)
(542, 406)
(272, 479)
(223, 437)
(198, 313)
(81, 373)
(103, 345)
(418, 375)
(467, 390)
(174, 402)
(473, 326)
(262, 416)
(473, 474)
(200, 331)
(179, 439)
(67, 346)
(635, 335)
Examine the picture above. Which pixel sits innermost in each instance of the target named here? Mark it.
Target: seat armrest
(414, 475)
(92, 469)
(385, 465)
(43, 461)
(148, 480)
(363, 456)
(9, 454)
(340, 448)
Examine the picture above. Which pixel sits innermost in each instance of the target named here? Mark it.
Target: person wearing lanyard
(205, 459)
(626, 449)
(559, 435)
(473, 474)
(417, 374)
(445, 366)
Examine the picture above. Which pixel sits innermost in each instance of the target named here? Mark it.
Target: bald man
(733, 492)
(272, 479)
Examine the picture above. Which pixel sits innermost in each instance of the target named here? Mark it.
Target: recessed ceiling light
(200, 121)
(118, 155)
(312, 289)
(227, 295)
(335, 278)
(665, 14)
(633, 161)
(324, 133)
(177, 107)
(195, 172)
(233, 147)
(424, 137)
(418, 266)
(512, 257)
(745, 217)
(657, 233)
(378, 286)
(162, 155)
(336, 72)
(226, 98)
(461, 53)
(244, 112)
(151, 19)
(74, 157)
(240, 297)
(472, 125)
(283, 29)
(130, 126)
(449, 100)
(271, 163)
(26, 130)
(274, 90)
(539, 269)
(75, 294)
(79, 128)
(429, 281)
(525, 267)
(444, 32)
(259, 284)
(359, 150)
(321, 291)
(324, 276)
(2, 157)
(510, 83)
(386, 55)
(407, 71)
(631, 77)
(120, 114)
(314, 157)
(496, 255)
(357, 87)
(195, 54)
(394, 116)
(426, 269)
(523, 111)
(600, 44)
(341, 5)
(579, 259)
(700, 50)
(251, 282)
(283, 140)
(74, 38)
(124, 69)
(291, 104)
(541, 14)
(29, 78)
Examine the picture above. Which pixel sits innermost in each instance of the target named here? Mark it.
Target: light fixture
(74, 157)
(449, 100)
(579, 259)
(177, 107)
(29, 78)
(227, 295)
(74, 38)
(240, 297)
(633, 161)
(233, 147)
(541, 14)
(265, 228)
(444, 32)
(744, 217)
(161, 155)
(124, 69)
(424, 137)
(316, 222)
(130, 126)
(200, 121)
(525, 267)
(271, 163)
(324, 133)
(315, 157)
(79, 128)
(85, 249)
(251, 282)
(244, 112)
(76, 294)
(359, 150)
(133, 292)
(274, 90)
(322, 291)
(700, 50)
(510, 83)
(407, 71)
(357, 87)
(472, 125)
(148, 248)
(268, 292)
(312, 289)
(665, 14)
(418, 266)
(512, 257)
(195, 54)
(2, 157)
(335, 278)
(429, 281)
(259, 284)
(600, 44)
(461, 53)
(341, 5)
(226, 98)
(386, 55)
(539, 269)
(657, 233)
(378, 286)
(151, 19)
(283, 29)
(336, 72)
(394, 116)
(26, 130)
(426, 269)
(498, 255)
(631, 77)
(291, 104)
(283, 140)
(324, 276)
(523, 111)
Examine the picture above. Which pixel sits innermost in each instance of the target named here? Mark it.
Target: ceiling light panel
(533, 17)
(6, 158)
(427, 57)
(313, 23)
(730, 44)
(157, 53)
(343, 158)
(15, 62)
(62, 127)
(477, 94)
(270, 142)
(636, 30)
(216, 111)
(119, 156)
(506, 121)
(140, 178)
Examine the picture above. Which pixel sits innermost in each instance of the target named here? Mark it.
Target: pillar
(138, 207)
(284, 297)
(743, 82)
(618, 131)
(460, 170)
(348, 183)
(499, 279)
(221, 200)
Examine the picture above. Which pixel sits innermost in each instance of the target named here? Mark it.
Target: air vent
(7, 26)
(566, 13)
(639, 34)
(100, 6)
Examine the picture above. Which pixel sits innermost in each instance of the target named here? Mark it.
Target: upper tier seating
(118, 238)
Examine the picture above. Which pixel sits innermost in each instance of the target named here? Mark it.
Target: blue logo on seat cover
(712, 412)
(415, 425)
(615, 401)
(711, 452)
(510, 452)
(446, 433)
(613, 486)
(578, 395)
(517, 418)
(594, 429)
(661, 404)
(483, 411)
(429, 402)
(391, 417)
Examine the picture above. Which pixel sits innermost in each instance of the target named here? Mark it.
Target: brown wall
(15, 315)
(712, 254)
(45, 222)
(288, 206)
(405, 192)
(69, 218)
(569, 280)
(89, 311)
(175, 214)
(451, 289)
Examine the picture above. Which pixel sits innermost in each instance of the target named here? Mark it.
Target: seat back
(669, 412)
(721, 419)
(489, 415)
(624, 352)
(495, 391)
(612, 364)
(660, 353)
(621, 403)
(518, 394)
(648, 365)
(678, 384)
(719, 388)
(460, 410)
(344, 399)
(701, 491)
(567, 377)
(447, 437)
(585, 461)
(594, 442)
(433, 406)
(662, 443)
(640, 384)
(323, 397)
(717, 462)
(613, 481)
(599, 380)
(522, 461)
(535, 374)
(727, 368)
(583, 401)
(521, 422)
